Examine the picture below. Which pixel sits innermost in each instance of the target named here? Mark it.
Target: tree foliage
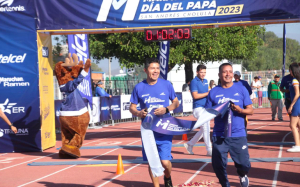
(270, 54)
(210, 44)
(95, 67)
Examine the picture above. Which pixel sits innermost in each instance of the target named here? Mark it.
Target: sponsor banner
(180, 108)
(105, 109)
(125, 104)
(79, 44)
(163, 57)
(95, 114)
(46, 92)
(19, 79)
(92, 14)
(115, 102)
(284, 51)
(187, 102)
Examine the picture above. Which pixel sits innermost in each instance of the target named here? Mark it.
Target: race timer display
(152, 35)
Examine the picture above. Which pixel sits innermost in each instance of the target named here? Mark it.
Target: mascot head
(68, 70)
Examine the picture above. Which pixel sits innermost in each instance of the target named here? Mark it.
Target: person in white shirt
(256, 84)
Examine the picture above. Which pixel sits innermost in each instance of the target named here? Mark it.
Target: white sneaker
(189, 148)
(294, 149)
(209, 152)
(260, 107)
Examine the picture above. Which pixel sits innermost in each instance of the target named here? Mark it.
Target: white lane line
(278, 163)
(72, 166)
(118, 176)
(197, 172)
(27, 161)
(263, 126)
(47, 176)
(57, 152)
(3, 154)
(91, 133)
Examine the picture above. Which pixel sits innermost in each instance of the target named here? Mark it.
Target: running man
(155, 92)
(236, 145)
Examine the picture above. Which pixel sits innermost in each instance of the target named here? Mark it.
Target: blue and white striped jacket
(74, 104)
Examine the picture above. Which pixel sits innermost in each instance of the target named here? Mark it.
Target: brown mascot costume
(74, 116)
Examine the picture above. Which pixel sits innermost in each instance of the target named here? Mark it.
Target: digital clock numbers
(184, 33)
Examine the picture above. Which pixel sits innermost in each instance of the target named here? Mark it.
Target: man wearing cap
(237, 77)
(275, 96)
(100, 91)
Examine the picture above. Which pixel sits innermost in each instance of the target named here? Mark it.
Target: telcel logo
(163, 55)
(12, 58)
(129, 11)
(6, 6)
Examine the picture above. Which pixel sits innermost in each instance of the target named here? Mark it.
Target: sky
(292, 31)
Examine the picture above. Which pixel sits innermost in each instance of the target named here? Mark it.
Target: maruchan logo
(13, 82)
(21, 131)
(5, 6)
(12, 58)
(11, 108)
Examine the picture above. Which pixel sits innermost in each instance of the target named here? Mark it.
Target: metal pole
(109, 71)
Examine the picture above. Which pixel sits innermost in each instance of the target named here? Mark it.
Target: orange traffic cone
(120, 168)
(184, 137)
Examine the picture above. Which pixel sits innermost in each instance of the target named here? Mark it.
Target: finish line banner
(169, 125)
(92, 14)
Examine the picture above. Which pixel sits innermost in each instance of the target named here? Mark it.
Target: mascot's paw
(71, 151)
(87, 65)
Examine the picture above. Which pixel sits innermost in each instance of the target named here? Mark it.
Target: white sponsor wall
(125, 104)
(187, 102)
(95, 114)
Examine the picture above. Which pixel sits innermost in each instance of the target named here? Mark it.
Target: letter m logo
(129, 12)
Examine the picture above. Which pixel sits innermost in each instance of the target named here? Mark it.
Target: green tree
(57, 49)
(95, 67)
(270, 54)
(210, 44)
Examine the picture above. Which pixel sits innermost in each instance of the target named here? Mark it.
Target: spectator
(211, 84)
(284, 87)
(254, 90)
(255, 85)
(100, 91)
(4, 117)
(199, 90)
(275, 97)
(260, 93)
(237, 78)
(294, 109)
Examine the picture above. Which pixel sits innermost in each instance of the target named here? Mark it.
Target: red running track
(14, 170)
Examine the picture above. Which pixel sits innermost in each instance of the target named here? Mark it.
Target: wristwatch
(167, 110)
(11, 125)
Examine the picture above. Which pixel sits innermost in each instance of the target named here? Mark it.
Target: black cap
(276, 76)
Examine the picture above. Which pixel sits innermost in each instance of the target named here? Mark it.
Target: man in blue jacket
(100, 90)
